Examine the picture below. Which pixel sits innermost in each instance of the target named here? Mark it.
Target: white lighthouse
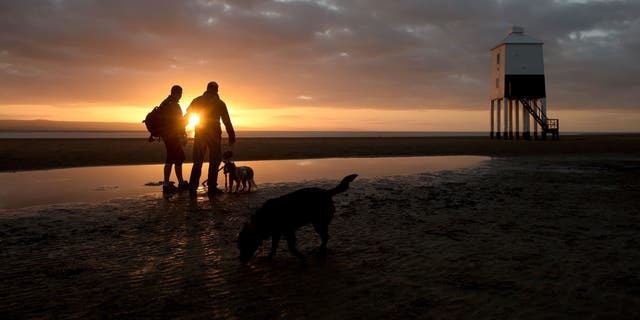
(517, 78)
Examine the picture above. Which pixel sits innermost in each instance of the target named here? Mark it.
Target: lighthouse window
(497, 82)
(498, 59)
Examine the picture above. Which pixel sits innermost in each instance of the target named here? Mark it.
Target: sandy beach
(542, 230)
(30, 154)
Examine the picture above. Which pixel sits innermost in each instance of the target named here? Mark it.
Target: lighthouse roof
(517, 36)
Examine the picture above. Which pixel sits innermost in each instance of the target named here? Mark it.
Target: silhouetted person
(208, 135)
(174, 137)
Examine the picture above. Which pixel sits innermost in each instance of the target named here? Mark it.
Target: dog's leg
(291, 242)
(323, 231)
(226, 178)
(275, 239)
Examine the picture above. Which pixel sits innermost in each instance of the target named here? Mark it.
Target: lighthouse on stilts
(517, 73)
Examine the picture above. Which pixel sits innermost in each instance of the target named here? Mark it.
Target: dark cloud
(382, 54)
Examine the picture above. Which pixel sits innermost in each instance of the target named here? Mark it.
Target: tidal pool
(94, 184)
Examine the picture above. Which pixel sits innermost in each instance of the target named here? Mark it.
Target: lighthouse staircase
(547, 125)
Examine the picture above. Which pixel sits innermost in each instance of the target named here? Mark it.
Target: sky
(315, 64)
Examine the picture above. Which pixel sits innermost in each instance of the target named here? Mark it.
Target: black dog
(283, 215)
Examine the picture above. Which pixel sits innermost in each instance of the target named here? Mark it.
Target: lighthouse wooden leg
(525, 125)
(498, 118)
(506, 118)
(491, 133)
(510, 119)
(543, 102)
(517, 121)
(535, 129)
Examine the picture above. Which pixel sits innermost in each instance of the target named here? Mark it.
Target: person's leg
(169, 161)
(198, 157)
(167, 172)
(183, 185)
(178, 170)
(215, 157)
(167, 185)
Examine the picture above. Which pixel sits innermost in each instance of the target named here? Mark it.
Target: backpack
(155, 123)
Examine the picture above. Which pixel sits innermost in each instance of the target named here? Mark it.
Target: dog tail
(343, 186)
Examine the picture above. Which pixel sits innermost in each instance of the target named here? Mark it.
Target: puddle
(93, 184)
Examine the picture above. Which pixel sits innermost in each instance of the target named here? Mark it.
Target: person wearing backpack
(174, 136)
(208, 135)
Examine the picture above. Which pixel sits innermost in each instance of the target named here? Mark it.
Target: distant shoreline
(126, 134)
(34, 154)
(19, 134)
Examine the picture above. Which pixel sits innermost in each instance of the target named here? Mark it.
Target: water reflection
(92, 184)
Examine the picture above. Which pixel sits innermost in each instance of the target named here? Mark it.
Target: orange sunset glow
(319, 159)
(194, 119)
(309, 65)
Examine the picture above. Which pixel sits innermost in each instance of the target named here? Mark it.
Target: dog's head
(248, 242)
(229, 166)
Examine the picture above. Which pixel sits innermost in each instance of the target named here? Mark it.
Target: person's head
(176, 92)
(212, 86)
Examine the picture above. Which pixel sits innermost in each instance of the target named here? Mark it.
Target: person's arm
(227, 124)
(179, 119)
(190, 109)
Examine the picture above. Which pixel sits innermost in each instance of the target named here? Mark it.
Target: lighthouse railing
(547, 125)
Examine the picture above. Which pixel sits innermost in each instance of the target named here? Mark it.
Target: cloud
(346, 54)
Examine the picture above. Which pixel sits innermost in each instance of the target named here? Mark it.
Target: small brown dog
(240, 175)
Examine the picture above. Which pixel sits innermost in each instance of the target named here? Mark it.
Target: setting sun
(194, 119)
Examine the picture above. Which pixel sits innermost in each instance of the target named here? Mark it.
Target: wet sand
(526, 237)
(30, 154)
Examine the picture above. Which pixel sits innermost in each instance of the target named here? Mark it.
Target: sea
(244, 134)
